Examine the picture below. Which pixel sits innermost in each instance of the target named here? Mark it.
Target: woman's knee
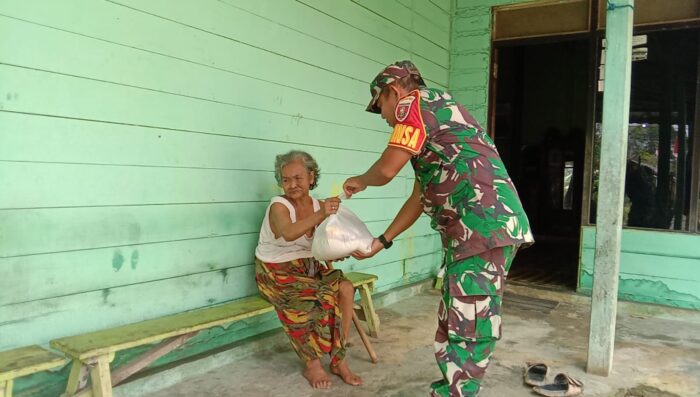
(346, 289)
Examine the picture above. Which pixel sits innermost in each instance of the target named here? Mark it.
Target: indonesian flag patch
(409, 133)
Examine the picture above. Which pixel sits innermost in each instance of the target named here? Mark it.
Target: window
(661, 136)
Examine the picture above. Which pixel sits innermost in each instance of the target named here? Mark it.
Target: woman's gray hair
(297, 155)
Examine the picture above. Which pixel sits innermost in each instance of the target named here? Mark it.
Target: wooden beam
(663, 204)
(587, 185)
(368, 307)
(150, 356)
(6, 388)
(27, 360)
(613, 159)
(100, 376)
(365, 339)
(77, 380)
(695, 167)
(679, 208)
(93, 344)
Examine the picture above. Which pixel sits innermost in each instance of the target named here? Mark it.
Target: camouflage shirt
(465, 187)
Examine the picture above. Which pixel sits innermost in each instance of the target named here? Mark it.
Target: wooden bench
(93, 352)
(25, 361)
(364, 283)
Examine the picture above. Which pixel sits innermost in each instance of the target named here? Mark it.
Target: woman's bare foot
(346, 374)
(317, 377)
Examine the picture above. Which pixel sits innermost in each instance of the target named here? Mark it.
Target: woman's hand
(376, 247)
(353, 185)
(330, 206)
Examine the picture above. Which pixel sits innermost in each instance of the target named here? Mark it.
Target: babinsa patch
(409, 130)
(403, 107)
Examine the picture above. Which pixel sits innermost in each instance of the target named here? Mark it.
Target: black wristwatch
(386, 244)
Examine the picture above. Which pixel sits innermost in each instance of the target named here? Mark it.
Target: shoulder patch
(404, 107)
(409, 132)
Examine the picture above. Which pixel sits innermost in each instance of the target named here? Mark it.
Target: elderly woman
(313, 302)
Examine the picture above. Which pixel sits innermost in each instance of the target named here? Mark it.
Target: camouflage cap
(387, 76)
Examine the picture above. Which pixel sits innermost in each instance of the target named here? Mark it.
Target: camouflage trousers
(469, 320)
(305, 295)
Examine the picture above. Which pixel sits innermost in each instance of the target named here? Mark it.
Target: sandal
(536, 374)
(563, 385)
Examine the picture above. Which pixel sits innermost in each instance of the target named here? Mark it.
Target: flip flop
(536, 374)
(563, 385)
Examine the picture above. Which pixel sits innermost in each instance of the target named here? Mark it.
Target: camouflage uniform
(471, 200)
(307, 305)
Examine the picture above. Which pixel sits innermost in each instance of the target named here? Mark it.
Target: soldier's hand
(376, 247)
(353, 185)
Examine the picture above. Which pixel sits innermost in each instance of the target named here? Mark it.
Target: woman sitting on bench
(314, 303)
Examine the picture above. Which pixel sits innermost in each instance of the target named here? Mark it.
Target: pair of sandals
(563, 385)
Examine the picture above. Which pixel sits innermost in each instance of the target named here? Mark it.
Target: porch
(657, 353)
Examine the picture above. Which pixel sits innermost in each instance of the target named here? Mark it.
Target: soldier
(462, 184)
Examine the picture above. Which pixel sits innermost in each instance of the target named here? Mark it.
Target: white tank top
(278, 250)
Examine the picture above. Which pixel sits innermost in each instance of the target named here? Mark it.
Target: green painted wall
(655, 267)
(471, 54)
(136, 148)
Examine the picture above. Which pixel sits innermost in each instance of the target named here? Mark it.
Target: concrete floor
(657, 354)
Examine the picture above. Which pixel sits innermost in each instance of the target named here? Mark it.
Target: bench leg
(77, 379)
(6, 388)
(163, 348)
(368, 309)
(101, 376)
(365, 339)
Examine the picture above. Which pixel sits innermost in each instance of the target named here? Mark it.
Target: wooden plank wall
(137, 141)
(655, 267)
(471, 54)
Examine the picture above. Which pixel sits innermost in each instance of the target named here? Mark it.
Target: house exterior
(137, 141)
(659, 258)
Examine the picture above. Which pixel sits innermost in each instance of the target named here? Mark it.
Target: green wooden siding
(470, 62)
(136, 147)
(655, 267)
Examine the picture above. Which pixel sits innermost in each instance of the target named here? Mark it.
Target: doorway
(540, 121)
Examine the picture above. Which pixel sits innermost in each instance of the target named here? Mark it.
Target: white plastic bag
(339, 235)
